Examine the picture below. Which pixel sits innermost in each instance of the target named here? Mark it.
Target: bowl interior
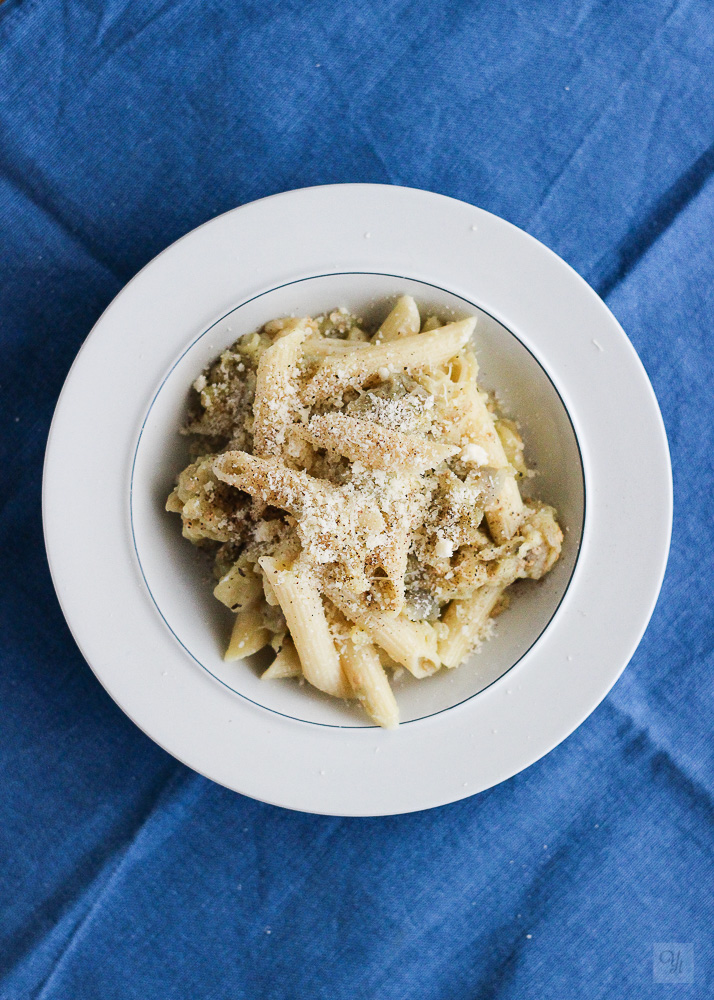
(179, 577)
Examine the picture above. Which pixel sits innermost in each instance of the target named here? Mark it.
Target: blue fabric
(590, 123)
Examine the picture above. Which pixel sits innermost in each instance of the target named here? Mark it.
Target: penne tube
(268, 592)
(391, 559)
(473, 424)
(508, 513)
(413, 644)
(323, 347)
(304, 612)
(469, 571)
(249, 634)
(239, 588)
(276, 397)
(512, 442)
(286, 663)
(482, 446)
(402, 321)
(269, 480)
(465, 621)
(387, 662)
(277, 328)
(409, 353)
(375, 446)
(369, 683)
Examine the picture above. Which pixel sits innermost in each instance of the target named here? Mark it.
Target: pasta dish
(362, 495)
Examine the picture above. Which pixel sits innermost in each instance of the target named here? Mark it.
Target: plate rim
(657, 428)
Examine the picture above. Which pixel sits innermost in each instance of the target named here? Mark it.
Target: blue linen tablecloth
(122, 126)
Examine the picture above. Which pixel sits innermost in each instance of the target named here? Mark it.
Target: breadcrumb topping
(370, 473)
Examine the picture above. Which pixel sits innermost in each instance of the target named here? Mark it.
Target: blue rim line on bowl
(235, 309)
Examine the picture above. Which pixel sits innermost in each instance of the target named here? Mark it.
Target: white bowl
(138, 597)
(178, 575)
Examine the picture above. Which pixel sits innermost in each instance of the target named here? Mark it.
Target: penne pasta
(286, 663)
(412, 644)
(465, 622)
(512, 442)
(369, 683)
(507, 514)
(239, 588)
(470, 423)
(375, 446)
(409, 353)
(323, 347)
(302, 606)
(475, 428)
(360, 492)
(276, 394)
(270, 481)
(249, 634)
(403, 321)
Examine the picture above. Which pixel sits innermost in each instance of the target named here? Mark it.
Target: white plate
(136, 595)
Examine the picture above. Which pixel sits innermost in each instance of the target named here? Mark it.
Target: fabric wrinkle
(183, 779)
(121, 128)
